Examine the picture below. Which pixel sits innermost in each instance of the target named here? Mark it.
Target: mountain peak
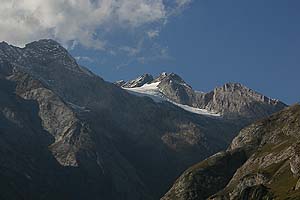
(3, 43)
(245, 92)
(46, 47)
(234, 84)
(48, 51)
(45, 57)
(138, 82)
(164, 76)
(232, 100)
(176, 77)
(172, 78)
(233, 87)
(43, 42)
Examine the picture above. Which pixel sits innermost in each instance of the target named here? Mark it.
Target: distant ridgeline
(232, 100)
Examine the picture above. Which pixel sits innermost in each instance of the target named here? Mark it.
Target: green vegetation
(283, 184)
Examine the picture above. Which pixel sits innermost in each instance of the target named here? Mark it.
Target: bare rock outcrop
(270, 169)
(232, 100)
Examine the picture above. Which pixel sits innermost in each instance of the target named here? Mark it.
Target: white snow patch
(151, 90)
(196, 110)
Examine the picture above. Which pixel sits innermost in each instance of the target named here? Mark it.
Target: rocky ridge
(232, 100)
(88, 138)
(68, 134)
(263, 159)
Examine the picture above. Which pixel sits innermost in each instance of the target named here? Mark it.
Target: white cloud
(22, 21)
(153, 33)
(84, 59)
(139, 12)
(183, 2)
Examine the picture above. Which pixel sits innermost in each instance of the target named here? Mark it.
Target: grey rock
(207, 177)
(271, 160)
(120, 83)
(138, 82)
(295, 160)
(297, 185)
(90, 138)
(232, 100)
(68, 134)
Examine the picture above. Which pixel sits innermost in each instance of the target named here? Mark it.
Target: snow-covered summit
(232, 100)
(152, 90)
(138, 82)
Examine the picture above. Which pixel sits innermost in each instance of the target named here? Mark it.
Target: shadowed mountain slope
(68, 134)
(262, 162)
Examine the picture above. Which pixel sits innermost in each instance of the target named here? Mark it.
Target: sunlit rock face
(263, 160)
(232, 100)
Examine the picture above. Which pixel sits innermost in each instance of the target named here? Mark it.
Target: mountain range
(65, 133)
(232, 100)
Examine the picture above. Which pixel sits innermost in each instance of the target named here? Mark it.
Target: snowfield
(151, 90)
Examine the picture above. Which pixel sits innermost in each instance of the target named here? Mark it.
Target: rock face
(49, 151)
(232, 100)
(175, 88)
(267, 165)
(65, 133)
(140, 81)
(207, 177)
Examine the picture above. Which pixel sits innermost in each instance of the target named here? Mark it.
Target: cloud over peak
(83, 21)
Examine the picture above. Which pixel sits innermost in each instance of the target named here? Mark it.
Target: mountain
(140, 81)
(50, 148)
(262, 162)
(232, 100)
(65, 133)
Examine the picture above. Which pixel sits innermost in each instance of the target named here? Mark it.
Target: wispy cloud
(182, 3)
(153, 33)
(144, 54)
(84, 59)
(110, 32)
(82, 21)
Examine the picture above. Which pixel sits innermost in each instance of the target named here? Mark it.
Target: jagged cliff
(262, 162)
(232, 100)
(68, 134)
(65, 133)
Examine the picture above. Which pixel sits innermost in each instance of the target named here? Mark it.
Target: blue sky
(207, 42)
